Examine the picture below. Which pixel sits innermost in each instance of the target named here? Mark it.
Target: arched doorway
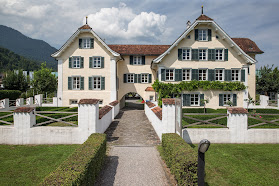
(133, 101)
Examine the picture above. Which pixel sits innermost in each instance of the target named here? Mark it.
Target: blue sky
(144, 21)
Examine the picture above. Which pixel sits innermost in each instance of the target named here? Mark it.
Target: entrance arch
(132, 101)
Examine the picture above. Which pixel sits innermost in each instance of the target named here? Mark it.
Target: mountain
(33, 49)
(11, 61)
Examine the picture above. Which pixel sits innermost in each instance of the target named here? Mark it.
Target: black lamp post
(203, 147)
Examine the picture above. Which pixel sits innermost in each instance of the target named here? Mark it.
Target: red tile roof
(150, 104)
(149, 89)
(151, 50)
(158, 112)
(247, 45)
(85, 27)
(24, 109)
(168, 101)
(114, 103)
(204, 18)
(103, 111)
(89, 101)
(237, 110)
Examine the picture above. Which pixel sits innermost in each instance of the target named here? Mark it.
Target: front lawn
(242, 164)
(29, 164)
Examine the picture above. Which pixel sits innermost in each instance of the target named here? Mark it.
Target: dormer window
(86, 43)
(203, 35)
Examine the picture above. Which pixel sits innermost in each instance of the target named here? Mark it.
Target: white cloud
(122, 23)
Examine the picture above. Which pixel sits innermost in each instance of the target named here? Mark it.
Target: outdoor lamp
(203, 147)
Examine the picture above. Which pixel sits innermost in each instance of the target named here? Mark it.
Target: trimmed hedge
(180, 158)
(11, 94)
(83, 166)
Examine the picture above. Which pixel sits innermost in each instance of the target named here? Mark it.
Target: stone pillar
(19, 102)
(264, 101)
(88, 115)
(4, 103)
(113, 79)
(29, 101)
(237, 122)
(24, 117)
(39, 99)
(168, 115)
(60, 83)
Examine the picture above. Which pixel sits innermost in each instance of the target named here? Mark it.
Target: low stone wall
(116, 108)
(105, 119)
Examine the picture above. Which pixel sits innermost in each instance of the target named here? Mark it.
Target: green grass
(28, 165)
(242, 164)
(62, 109)
(186, 121)
(9, 118)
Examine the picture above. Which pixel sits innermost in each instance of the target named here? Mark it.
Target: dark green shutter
(103, 83)
(186, 100)
(211, 55)
(180, 54)
(195, 74)
(242, 75)
(196, 34)
(81, 62)
(143, 60)
(163, 74)
(131, 60)
(149, 78)
(195, 54)
(90, 62)
(234, 100)
(178, 75)
(90, 83)
(226, 54)
(91, 42)
(125, 78)
(221, 99)
(209, 34)
(201, 97)
(135, 78)
(102, 62)
(139, 78)
(81, 83)
(211, 75)
(80, 43)
(228, 75)
(70, 62)
(69, 83)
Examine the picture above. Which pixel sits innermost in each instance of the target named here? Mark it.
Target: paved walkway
(133, 158)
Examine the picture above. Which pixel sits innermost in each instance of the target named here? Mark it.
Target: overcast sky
(144, 21)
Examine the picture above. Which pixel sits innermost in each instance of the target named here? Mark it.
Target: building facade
(89, 68)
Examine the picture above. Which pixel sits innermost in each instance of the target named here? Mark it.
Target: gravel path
(133, 158)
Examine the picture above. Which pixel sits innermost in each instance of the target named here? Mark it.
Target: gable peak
(203, 17)
(85, 27)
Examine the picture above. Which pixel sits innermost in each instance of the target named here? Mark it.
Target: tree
(16, 80)
(268, 79)
(44, 81)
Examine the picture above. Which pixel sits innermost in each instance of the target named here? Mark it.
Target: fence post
(39, 99)
(19, 102)
(4, 103)
(168, 115)
(29, 101)
(88, 115)
(237, 122)
(24, 117)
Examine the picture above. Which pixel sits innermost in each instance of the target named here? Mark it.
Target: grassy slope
(242, 164)
(28, 165)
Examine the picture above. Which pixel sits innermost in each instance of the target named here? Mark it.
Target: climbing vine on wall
(167, 90)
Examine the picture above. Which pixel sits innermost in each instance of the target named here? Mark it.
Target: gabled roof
(151, 50)
(203, 19)
(84, 28)
(247, 45)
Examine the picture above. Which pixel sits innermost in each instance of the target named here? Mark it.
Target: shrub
(83, 166)
(11, 94)
(180, 158)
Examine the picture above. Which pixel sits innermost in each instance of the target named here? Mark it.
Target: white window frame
(201, 33)
(96, 82)
(195, 94)
(86, 43)
(204, 55)
(227, 97)
(76, 61)
(186, 51)
(97, 62)
(206, 75)
(137, 60)
(184, 76)
(217, 54)
(234, 75)
(217, 75)
(144, 78)
(169, 78)
(131, 77)
(76, 82)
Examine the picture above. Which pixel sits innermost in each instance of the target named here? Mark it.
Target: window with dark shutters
(195, 54)
(180, 54)
(163, 74)
(70, 62)
(103, 83)
(211, 55)
(81, 62)
(178, 74)
(228, 75)
(90, 83)
(149, 78)
(209, 34)
(81, 83)
(201, 99)
(226, 54)
(211, 75)
(243, 75)
(91, 43)
(186, 100)
(196, 34)
(124, 78)
(221, 99)
(131, 60)
(143, 60)
(102, 62)
(195, 74)
(69, 83)
(234, 100)
(80, 43)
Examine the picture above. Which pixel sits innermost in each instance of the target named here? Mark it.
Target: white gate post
(29, 101)
(24, 117)
(168, 115)
(39, 99)
(19, 102)
(4, 103)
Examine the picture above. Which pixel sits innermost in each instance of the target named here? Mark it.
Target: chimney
(188, 24)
